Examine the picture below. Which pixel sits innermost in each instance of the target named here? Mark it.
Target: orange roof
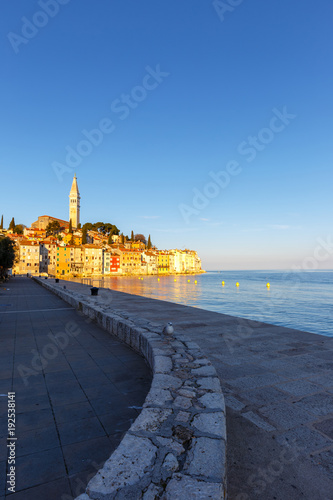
(29, 243)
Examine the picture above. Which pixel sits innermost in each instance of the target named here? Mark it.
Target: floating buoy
(188, 281)
(195, 282)
(158, 279)
(175, 279)
(223, 283)
(237, 284)
(268, 285)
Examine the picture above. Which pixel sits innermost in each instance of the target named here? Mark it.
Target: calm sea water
(302, 300)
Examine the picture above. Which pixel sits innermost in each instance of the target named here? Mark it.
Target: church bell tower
(74, 204)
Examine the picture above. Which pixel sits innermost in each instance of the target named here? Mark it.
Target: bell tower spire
(74, 203)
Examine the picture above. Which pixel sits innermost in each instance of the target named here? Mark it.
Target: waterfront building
(150, 260)
(130, 260)
(163, 262)
(93, 259)
(28, 253)
(63, 260)
(111, 262)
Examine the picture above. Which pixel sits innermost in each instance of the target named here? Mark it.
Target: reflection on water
(162, 287)
(297, 300)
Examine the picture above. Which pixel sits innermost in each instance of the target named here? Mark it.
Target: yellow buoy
(188, 281)
(268, 285)
(158, 279)
(237, 284)
(175, 279)
(195, 282)
(223, 283)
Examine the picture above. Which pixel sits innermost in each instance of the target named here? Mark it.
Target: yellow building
(72, 239)
(163, 263)
(130, 261)
(138, 245)
(62, 261)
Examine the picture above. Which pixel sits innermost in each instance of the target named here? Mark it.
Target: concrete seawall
(278, 389)
(178, 442)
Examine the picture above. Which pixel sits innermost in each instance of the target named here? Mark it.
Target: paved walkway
(72, 413)
(278, 385)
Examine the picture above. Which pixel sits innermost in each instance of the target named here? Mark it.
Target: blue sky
(181, 91)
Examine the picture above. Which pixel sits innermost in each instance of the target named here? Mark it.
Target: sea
(300, 300)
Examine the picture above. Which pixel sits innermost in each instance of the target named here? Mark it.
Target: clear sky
(215, 123)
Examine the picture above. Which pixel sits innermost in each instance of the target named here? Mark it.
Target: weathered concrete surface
(278, 387)
(168, 442)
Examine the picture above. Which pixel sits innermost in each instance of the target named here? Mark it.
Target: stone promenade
(78, 390)
(278, 387)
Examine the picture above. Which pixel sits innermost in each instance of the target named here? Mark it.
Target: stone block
(150, 419)
(170, 462)
(186, 393)
(211, 423)
(172, 444)
(206, 458)
(204, 371)
(182, 402)
(131, 461)
(210, 383)
(157, 397)
(183, 416)
(213, 400)
(164, 381)
(162, 364)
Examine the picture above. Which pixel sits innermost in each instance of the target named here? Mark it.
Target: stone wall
(176, 448)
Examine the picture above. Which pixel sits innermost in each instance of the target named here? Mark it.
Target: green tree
(132, 236)
(12, 224)
(122, 239)
(87, 226)
(1, 225)
(18, 229)
(53, 228)
(70, 227)
(84, 235)
(110, 239)
(79, 225)
(149, 243)
(7, 255)
(111, 229)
